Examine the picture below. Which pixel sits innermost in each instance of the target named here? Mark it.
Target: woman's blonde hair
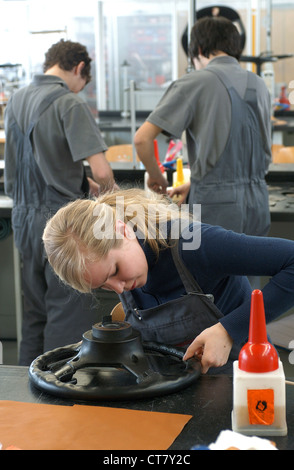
(84, 230)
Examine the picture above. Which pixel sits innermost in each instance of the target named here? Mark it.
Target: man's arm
(102, 172)
(143, 141)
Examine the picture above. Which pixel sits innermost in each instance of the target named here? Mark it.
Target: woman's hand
(212, 347)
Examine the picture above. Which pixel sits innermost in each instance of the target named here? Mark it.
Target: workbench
(208, 400)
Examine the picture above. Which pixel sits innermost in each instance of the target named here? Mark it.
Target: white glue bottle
(259, 389)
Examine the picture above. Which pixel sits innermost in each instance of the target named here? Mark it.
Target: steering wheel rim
(155, 369)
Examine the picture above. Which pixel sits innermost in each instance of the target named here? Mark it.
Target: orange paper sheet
(34, 426)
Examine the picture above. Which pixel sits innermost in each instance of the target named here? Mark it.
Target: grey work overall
(178, 322)
(234, 194)
(54, 315)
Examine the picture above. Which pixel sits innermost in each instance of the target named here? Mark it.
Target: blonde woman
(181, 282)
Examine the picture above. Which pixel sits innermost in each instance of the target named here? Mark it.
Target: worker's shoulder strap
(225, 79)
(187, 278)
(48, 100)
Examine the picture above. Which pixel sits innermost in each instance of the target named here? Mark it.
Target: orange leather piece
(35, 426)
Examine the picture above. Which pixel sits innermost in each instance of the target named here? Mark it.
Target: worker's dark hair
(210, 35)
(68, 54)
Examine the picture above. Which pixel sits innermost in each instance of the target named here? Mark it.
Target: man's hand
(180, 193)
(212, 347)
(102, 174)
(94, 188)
(158, 184)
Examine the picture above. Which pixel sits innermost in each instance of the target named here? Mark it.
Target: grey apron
(234, 194)
(54, 315)
(30, 189)
(176, 322)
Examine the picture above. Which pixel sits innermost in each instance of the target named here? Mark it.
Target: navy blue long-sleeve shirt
(221, 265)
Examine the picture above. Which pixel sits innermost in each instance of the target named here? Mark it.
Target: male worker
(225, 111)
(49, 132)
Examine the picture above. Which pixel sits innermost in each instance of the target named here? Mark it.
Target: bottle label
(261, 409)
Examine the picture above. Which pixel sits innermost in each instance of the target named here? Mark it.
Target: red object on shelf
(156, 153)
(283, 99)
(258, 355)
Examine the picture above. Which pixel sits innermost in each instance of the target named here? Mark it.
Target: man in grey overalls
(225, 111)
(49, 132)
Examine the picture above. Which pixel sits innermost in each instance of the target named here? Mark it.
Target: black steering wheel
(111, 363)
(218, 10)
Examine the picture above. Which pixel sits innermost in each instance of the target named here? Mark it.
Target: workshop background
(137, 51)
